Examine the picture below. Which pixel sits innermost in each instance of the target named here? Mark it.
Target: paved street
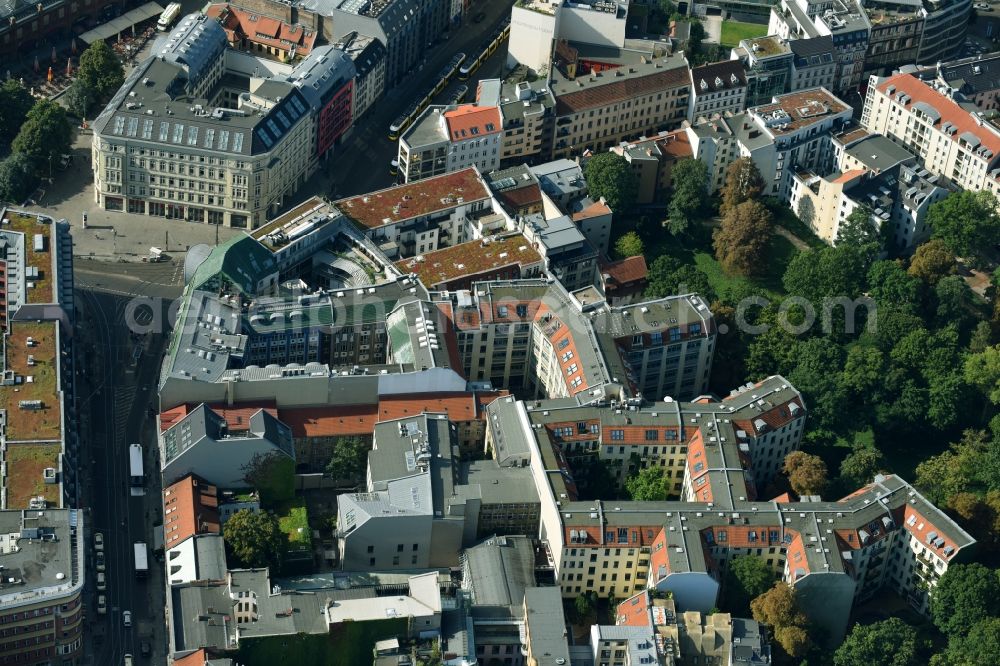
(117, 398)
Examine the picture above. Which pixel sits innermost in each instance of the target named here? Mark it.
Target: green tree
(609, 175)
(747, 577)
(982, 337)
(817, 364)
(981, 647)
(954, 301)
(349, 459)
(689, 183)
(861, 465)
(806, 473)
(45, 135)
(967, 466)
(889, 284)
(584, 605)
(629, 245)
(78, 98)
(100, 72)
(667, 276)
(965, 594)
(649, 485)
(743, 183)
(968, 223)
(696, 36)
(254, 538)
(742, 239)
(982, 370)
(891, 642)
(779, 608)
(826, 272)
(15, 103)
(932, 261)
(17, 178)
(272, 475)
(859, 229)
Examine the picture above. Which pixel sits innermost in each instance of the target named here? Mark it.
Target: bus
(141, 560)
(137, 480)
(168, 16)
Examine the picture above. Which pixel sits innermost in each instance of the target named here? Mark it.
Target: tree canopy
(965, 594)
(15, 103)
(806, 473)
(609, 175)
(349, 459)
(45, 135)
(967, 223)
(100, 72)
(932, 261)
(861, 465)
(272, 475)
(779, 608)
(689, 183)
(255, 538)
(649, 485)
(890, 642)
(742, 239)
(859, 230)
(17, 178)
(629, 245)
(743, 183)
(747, 577)
(667, 276)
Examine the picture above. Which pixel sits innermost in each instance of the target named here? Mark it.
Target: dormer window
(718, 82)
(704, 85)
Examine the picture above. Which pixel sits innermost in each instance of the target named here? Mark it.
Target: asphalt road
(120, 371)
(361, 163)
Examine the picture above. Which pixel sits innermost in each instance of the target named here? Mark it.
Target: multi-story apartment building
(508, 256)
(845, 21)
(717, 88)
(790, 134)
(527, 112)
(179, 141)
(532, 31)
(896, 35)
(652, 159)
(561, 181)
(975, 78)
(451, 138)
(39, 445)
(598, 110)
(813, 63)
(945, 25)
(569, 255)
(415, 218)
(436, 504)
(950, 141)
(369, 57)
(36, 25)
(872, 171)
(834, 553)
(261, 34)
(533, 336)
(767, 63)
(41, 594)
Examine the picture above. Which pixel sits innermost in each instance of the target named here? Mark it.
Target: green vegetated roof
(241, 261)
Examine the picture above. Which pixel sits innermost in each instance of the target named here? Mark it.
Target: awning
(119, 25)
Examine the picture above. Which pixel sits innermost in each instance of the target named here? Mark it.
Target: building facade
(446, 139)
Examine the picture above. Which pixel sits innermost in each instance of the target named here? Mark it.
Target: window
(618, 435)
(651, 435)
(720, 536)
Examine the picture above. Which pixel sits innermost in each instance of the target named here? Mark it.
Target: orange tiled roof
(240, 24)
(627, 270)
(634, 611)
(458, 406)
(197, 658)
(190, 507)
(339, 421)
(676, 144)
(916, 524)
(595, 209)
(469, 121)
(948, 109)
(848, 176)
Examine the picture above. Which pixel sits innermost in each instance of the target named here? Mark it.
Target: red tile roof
(920, 527)
(469, 121)
(458, 406)
(948, 109)
(520, 197)
(197, 658)
(625, 271)
(339, 421)
(617, 91)
(190, 507)
(634, 611)
(240, 24)
(595, 209)
(848, 176)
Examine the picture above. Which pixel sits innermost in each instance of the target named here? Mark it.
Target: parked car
(102, 581)
(128, 660)
(102, 604)
(98, 542)
(126, 619)
(99, 560)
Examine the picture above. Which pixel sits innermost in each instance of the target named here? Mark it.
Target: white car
(98, 542)
(102, 604)
(126, 619)
(102, 581)
(99, 561)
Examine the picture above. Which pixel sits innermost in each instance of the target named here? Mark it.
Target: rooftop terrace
(406, 202)
(797, 110)
(32, 399)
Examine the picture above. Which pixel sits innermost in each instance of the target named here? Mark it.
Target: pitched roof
(469, 121)
(337, 421)
(458, 406)
(595, 209)
(919, 93)
(723, 75)
(617, 91)
(190, 507)
(625, 271)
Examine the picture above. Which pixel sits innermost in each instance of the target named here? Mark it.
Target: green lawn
(780, 253)
(349, 644)
(734, 31)
(294, 522)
